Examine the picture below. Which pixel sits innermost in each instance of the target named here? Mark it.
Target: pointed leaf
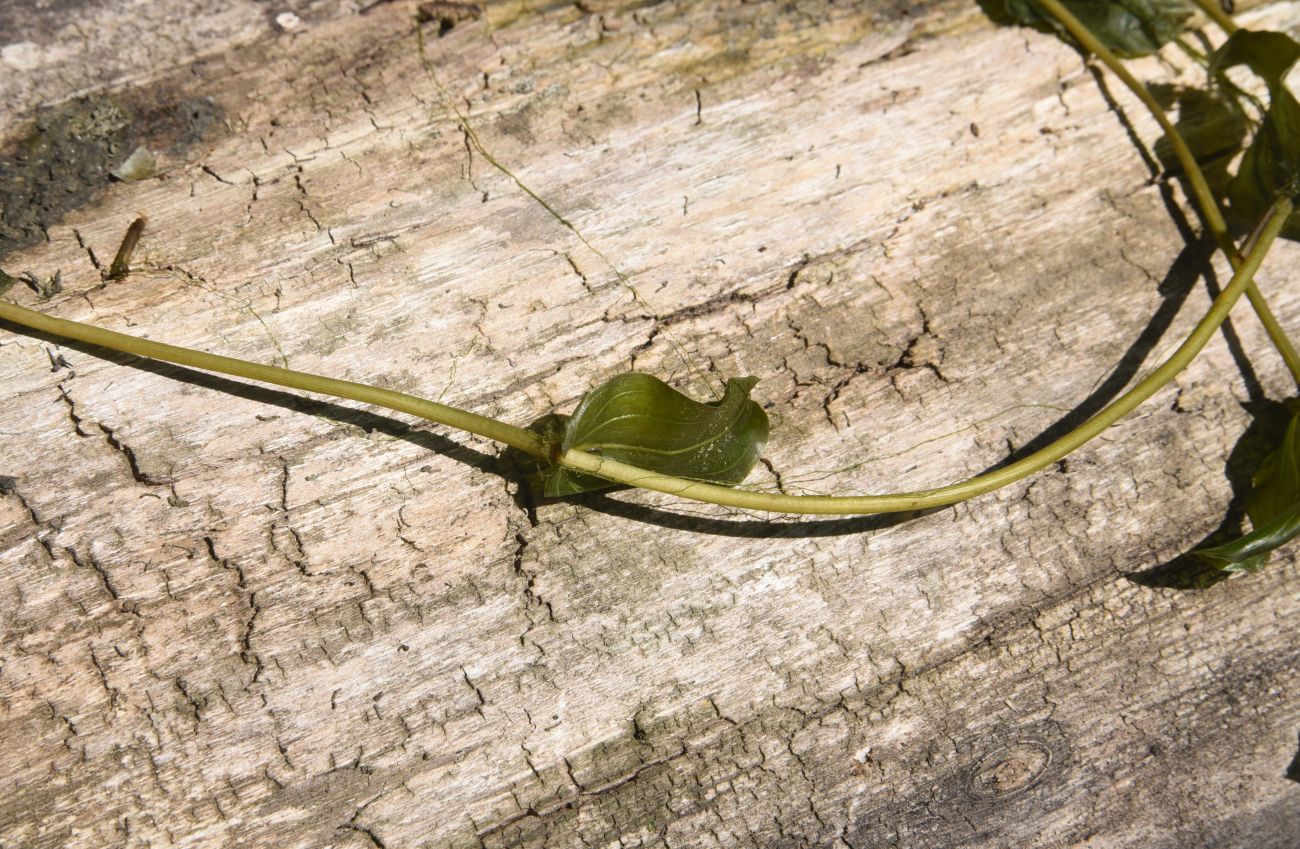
(638, 419)
(1273, 507)
(1251, 551)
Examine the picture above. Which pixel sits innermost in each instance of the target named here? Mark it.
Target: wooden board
(237, 616)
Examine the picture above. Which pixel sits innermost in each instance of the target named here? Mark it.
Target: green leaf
(1251, 551)
(1128, 27)
(1271, 165)
(1212, 124)
(1276, 484)
(1273, 507)
(1269, 54)
(638, 419)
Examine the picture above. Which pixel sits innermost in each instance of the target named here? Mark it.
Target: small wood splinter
(121, 266)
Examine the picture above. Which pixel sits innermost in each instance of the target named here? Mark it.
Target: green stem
(612, 470)
(1196, 55)
(1272, 224)
(1222, 18)
(1195, 177)
(515, 437)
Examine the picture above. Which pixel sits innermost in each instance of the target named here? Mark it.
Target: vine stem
(1195, 177)
(1222, 18)
(612, 470)
(493, 429)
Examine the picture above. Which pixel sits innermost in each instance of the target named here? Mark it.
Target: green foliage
(1210, 121)
(638, 431)
(1273, 507)
(1271, 165)
(638, 419)
(1269, 54)
(1128, 27)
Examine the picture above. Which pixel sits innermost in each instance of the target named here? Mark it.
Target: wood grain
(237, 616)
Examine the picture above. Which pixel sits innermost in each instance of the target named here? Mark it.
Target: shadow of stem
(1187, 571)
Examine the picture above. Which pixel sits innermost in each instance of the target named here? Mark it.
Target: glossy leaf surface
(1271, 165)
(1273, 507)
(638, 419)
(1127, 27)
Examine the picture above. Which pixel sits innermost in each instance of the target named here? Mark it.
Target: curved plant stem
(1271, 225)
(623, 473)
(1195, 177)
(499, 431)
(1222, 18)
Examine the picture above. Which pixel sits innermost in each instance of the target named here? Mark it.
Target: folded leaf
(1271, 165)
(1128, 27)
(1273, 507)
(1269, 54)
(1252, 551)
(638, 419)
(1276, 484)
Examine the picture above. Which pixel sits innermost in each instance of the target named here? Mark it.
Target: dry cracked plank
(237, 615)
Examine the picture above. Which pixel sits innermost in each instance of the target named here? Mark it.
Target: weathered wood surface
(233, 616)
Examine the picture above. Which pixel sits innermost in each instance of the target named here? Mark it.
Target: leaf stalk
(493, 429)
(1270, 226)
(1215, 11)
(1196, 181)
